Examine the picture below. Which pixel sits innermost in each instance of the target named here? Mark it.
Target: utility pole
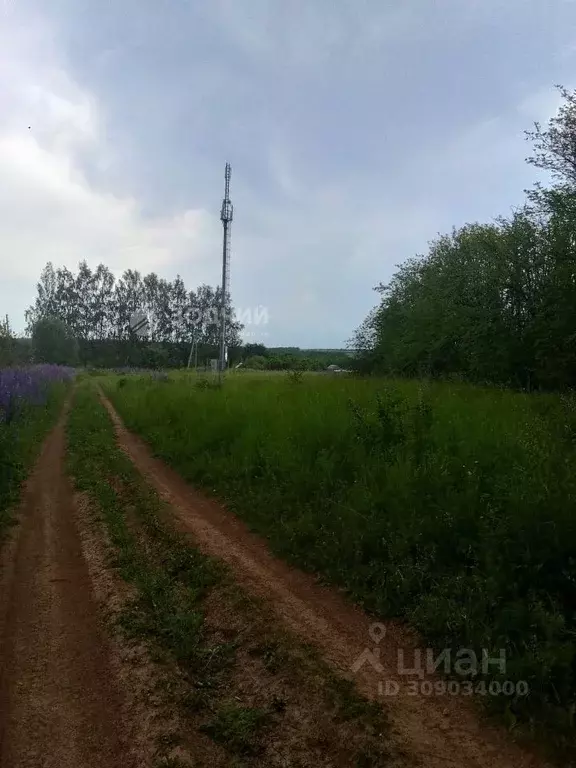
(226, 216)
(193, 351)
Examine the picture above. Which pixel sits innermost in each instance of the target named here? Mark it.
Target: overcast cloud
(357, 130)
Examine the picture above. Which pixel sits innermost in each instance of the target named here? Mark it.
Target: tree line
(496, 302)
(260, 358)
(85, 317)
(13, 351)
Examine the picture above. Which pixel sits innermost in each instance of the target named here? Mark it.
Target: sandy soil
(434, 731)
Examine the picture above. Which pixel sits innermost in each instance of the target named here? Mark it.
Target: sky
(357, 131)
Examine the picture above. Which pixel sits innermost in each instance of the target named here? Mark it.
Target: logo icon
(377, 633)
(139, 323)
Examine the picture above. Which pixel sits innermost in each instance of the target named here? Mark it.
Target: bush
(53, 342)
(296, 377)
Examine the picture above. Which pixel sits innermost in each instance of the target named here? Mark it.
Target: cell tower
(226, 216)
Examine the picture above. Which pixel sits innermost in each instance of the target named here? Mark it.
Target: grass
(449, 505)
(236, 727)
(224, 678)
(20, 441)
(169, 577)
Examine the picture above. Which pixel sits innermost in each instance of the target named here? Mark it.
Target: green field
(450, 506)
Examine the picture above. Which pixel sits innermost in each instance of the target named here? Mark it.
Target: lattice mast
(226, 216)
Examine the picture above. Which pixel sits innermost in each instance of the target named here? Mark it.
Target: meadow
(446, 505)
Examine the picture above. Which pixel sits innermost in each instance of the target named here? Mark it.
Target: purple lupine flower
(28, 385)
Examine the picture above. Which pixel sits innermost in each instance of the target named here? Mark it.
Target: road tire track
(59, 705)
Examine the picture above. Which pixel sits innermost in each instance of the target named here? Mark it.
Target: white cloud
(49, 210)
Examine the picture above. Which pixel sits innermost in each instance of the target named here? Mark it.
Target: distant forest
(492, 303)
(83, 318)
(94, 309)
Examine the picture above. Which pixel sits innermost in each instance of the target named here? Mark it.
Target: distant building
(336, 369)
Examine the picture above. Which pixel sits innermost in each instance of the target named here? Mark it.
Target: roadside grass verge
(20, 442)
(249, 692)
(449, 505)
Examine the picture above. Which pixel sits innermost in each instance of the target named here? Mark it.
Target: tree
(555, 145)
(7, 344)
(179, 301)
(45, 303)
(491, 303)
(101, 299)
(68, 300)
(53, 342)
(164, 312)
(255, 362)
(128, 298)
(251, 350)
(97, 308)
(84, 285)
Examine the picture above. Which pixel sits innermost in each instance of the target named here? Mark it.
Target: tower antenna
(226, 216)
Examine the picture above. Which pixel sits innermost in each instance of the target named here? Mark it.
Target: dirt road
(59, 707)
(433, 731)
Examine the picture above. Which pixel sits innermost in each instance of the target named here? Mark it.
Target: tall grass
(448, 505)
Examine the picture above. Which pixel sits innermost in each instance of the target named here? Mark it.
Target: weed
(205, 383)
(295, 376)
(376, 757)
(171, 762)
(381, 430)
(160, 376)
(348, 704)
(237, 728)
(273, 655)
